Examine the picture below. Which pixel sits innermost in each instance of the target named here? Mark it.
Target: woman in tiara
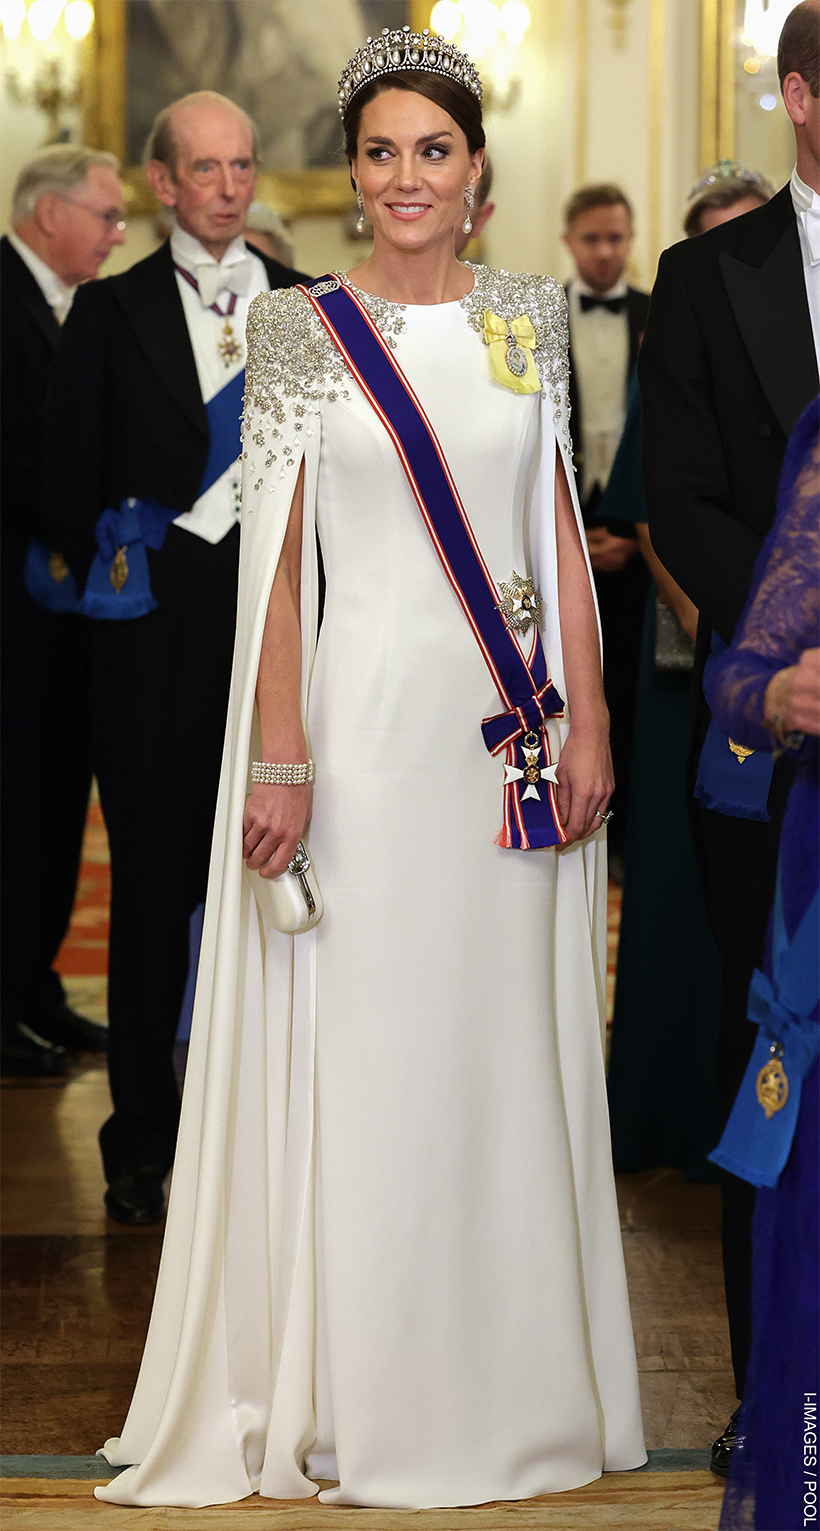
(393, 1261)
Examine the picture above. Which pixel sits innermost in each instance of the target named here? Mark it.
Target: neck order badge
(529, 697)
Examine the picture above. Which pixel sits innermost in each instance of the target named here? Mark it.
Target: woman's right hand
(792, 699)
(274, 822)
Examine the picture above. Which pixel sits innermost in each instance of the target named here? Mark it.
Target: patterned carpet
(83, 958)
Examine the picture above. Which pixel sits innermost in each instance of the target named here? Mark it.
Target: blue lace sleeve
(782, 616)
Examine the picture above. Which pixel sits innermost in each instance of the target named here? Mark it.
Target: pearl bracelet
(283, 775)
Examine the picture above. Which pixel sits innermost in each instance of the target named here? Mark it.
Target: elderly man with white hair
(67, 215)
(142, 493)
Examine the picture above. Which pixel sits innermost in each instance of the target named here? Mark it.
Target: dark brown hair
(727, 195)
(485, 184)
(453, 98)
(602, 195)
(798, 51)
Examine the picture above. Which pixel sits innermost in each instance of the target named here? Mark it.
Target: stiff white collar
(58, 295)
(232, 273)
(806, 205)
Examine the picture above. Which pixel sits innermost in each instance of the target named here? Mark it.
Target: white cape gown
(392, 1255)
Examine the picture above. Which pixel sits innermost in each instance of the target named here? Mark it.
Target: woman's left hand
(585, 781)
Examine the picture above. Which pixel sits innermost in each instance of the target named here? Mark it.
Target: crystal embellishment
(402, 49)
(520, 605)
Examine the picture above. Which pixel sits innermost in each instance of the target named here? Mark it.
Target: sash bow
(136, 526)
(779, 1023)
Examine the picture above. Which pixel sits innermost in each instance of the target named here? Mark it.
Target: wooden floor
(77, 1290)
(642, 1502)
(76, 1296)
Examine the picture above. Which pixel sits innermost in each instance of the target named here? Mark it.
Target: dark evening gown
(769, 1486)
(661, 1081)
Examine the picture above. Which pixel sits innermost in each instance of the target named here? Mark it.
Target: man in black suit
(729, 362)
(606, 322)
(144, 426)
(67, 214)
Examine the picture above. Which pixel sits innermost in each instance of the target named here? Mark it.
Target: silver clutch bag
(673, 649)
(291, 902)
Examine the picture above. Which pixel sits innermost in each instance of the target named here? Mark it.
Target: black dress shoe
(136, 1196)
(26, 1055)
(722, 1448)
(66, 1028)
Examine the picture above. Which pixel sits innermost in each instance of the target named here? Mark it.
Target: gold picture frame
(293, 194)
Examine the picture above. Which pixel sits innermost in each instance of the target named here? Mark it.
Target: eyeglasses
(111, 220)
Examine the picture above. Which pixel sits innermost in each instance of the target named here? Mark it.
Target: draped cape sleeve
(223, 1208)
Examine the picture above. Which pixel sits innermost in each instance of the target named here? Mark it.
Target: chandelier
(491, 34)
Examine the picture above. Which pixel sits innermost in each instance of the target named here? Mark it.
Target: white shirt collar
(618, 291)
(188, 251)
(806, 204)
(802, 195)
(58, 295)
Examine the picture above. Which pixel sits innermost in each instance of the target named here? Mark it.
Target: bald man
(142, 497)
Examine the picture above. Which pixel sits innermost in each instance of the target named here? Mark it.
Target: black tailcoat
(621, 598)
(127, 418)
(45, 736)
(726, 368)
(127, 406)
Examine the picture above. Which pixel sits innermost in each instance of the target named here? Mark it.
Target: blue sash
(758, 1135)
(531, 817)
(730, 779)
(124, 535)
(54, 588)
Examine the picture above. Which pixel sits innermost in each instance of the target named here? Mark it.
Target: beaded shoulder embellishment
(543, 300)
(292, 357)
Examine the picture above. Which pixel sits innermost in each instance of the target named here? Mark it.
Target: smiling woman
(393, 1258)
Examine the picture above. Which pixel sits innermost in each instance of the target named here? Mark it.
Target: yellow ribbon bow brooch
(511, 346)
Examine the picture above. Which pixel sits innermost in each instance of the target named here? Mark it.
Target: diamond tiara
(403, 49)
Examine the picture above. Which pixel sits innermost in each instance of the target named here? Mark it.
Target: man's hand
(608, 554)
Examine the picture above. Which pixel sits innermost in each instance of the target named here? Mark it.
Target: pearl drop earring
(469, 199)
(360, 204)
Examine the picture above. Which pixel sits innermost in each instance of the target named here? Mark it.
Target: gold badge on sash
(119, 569)
(740, 750)
(773, 1084)
(57, 568)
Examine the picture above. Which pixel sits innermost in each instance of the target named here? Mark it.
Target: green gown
(662, 1094)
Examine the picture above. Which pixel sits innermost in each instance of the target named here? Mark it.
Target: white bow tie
(213, 279)
(810, 218)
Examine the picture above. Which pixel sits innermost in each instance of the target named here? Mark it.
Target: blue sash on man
(119, 584)
(758, 1135)
(531, 817)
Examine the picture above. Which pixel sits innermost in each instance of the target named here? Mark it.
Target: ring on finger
(604, 817)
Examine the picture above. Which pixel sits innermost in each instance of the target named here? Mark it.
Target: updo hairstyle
(452, 97)
(724, 193)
